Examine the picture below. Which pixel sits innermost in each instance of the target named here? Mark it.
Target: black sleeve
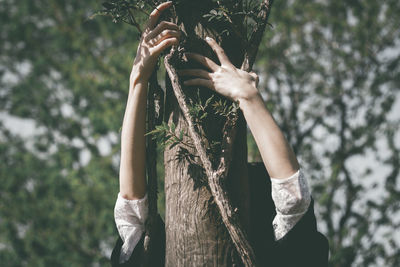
(137, 257)
(303, 245)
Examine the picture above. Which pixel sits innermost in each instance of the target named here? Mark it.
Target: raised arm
(155, 39)
(239, 85)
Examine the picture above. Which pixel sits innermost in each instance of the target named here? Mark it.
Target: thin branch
(334, 181)
(151, 166)
(152, 145)
(229, 216)
(229, 133)
(307, 132)
(134, 22)
(234, 28)
(350, 196)
(182, 103)
(256, 36)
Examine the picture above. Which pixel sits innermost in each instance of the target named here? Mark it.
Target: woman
(294, 218)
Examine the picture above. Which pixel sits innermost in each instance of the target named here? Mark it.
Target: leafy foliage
(199, 110)
(166, 135)
(63, 83)
(128, 11)
(237, 17)
(333, 85)
(222, 108)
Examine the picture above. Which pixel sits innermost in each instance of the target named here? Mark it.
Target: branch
(350, 196)
(134, 22)
(151, 166)
(229, 133)
(256, 36)
(318, 120)
(335, 184)
(229, 216)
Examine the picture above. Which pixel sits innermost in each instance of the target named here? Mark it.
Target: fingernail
(208, 38)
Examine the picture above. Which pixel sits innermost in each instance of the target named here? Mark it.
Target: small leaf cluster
(200, 109)
(215, 14)
(208, 113)
(232, 17)
(197, 109)
(121, 10)
(128, 11)
(222, 108)
(239, 19)
(166, 135)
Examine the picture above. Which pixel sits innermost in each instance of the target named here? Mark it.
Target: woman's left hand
(226, 79)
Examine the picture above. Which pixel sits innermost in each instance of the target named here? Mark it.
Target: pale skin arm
(155, 39)
(238, 85)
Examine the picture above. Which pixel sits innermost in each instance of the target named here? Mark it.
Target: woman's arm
(131, 208)
(132, 175)
(155, 39)
(239, 85)
(275, 151)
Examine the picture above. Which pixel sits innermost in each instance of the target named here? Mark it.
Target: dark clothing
(302, 246)
(137, 257)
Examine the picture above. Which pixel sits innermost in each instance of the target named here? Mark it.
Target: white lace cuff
(292, 198)
(130, 217)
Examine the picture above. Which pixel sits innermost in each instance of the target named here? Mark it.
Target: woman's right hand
(154, 40)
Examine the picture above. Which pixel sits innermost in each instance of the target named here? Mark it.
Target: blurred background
(330, 73)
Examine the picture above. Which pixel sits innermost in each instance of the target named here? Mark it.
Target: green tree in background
(68, 75)
(331, 76)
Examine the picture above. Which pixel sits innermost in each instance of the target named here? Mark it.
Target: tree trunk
(196, 234)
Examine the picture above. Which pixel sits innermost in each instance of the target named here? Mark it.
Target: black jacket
(302, 246)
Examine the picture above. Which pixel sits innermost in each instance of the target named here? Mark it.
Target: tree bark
(207, 218)
(195, 232)
(216, 178)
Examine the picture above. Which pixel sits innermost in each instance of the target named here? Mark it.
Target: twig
(134, 22)
(256, 36)
(233, 27)
(229, 133)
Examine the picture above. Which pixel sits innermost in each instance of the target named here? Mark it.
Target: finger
(205, 61)
(164, 35)
(199, 82)
(195, 73)
(165, 44)
(160, 28)
(223, 58)
(156, 14)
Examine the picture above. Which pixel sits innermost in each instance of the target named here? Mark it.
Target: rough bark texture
(195, 231)
(154, 113)
(216, 177)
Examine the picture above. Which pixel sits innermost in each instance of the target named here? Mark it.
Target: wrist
(137, 78)
(248, 95)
